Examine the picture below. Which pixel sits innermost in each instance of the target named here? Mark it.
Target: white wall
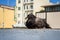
(53, 18)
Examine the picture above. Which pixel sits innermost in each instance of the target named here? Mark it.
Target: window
(18, 15)
(18, 8)
(24, 6)
(31, 0)
(18, 22)
(52, 8)
(24, 0)
(57, 8)
(31, 6)
(27, 6)
(27, 0)
(48, 9)
(19, 1)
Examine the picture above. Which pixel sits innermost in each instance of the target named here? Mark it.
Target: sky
(13, 2)
(54, 1)
(8, 2)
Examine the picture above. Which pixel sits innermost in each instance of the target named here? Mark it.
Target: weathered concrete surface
(29, 34)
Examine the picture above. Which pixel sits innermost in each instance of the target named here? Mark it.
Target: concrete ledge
(20, 27)
(29, 34)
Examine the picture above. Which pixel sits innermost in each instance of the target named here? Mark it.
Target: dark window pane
(24, 6)
(18, 8)
(31, 6)
(31, 0)
(18, 22)
(19, 1)
(27, 7)
(24, 0)
(27, 0)
(18, 15)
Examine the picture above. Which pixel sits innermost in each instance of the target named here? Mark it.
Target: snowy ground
(29, 34)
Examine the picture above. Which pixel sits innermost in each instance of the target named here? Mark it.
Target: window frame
(19, 8)
(19, 1)
(31, 6)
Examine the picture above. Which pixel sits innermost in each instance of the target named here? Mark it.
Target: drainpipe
(3, 18)
(46, 16)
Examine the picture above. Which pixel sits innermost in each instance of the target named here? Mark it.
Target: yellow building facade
(6, 16)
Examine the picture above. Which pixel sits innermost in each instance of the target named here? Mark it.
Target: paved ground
(29, 34)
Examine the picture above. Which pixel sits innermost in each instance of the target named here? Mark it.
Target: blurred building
(6, 16)
(51, 14)
(25, 7)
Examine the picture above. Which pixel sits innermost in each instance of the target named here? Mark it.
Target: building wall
(53, 19)
(6, 18)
